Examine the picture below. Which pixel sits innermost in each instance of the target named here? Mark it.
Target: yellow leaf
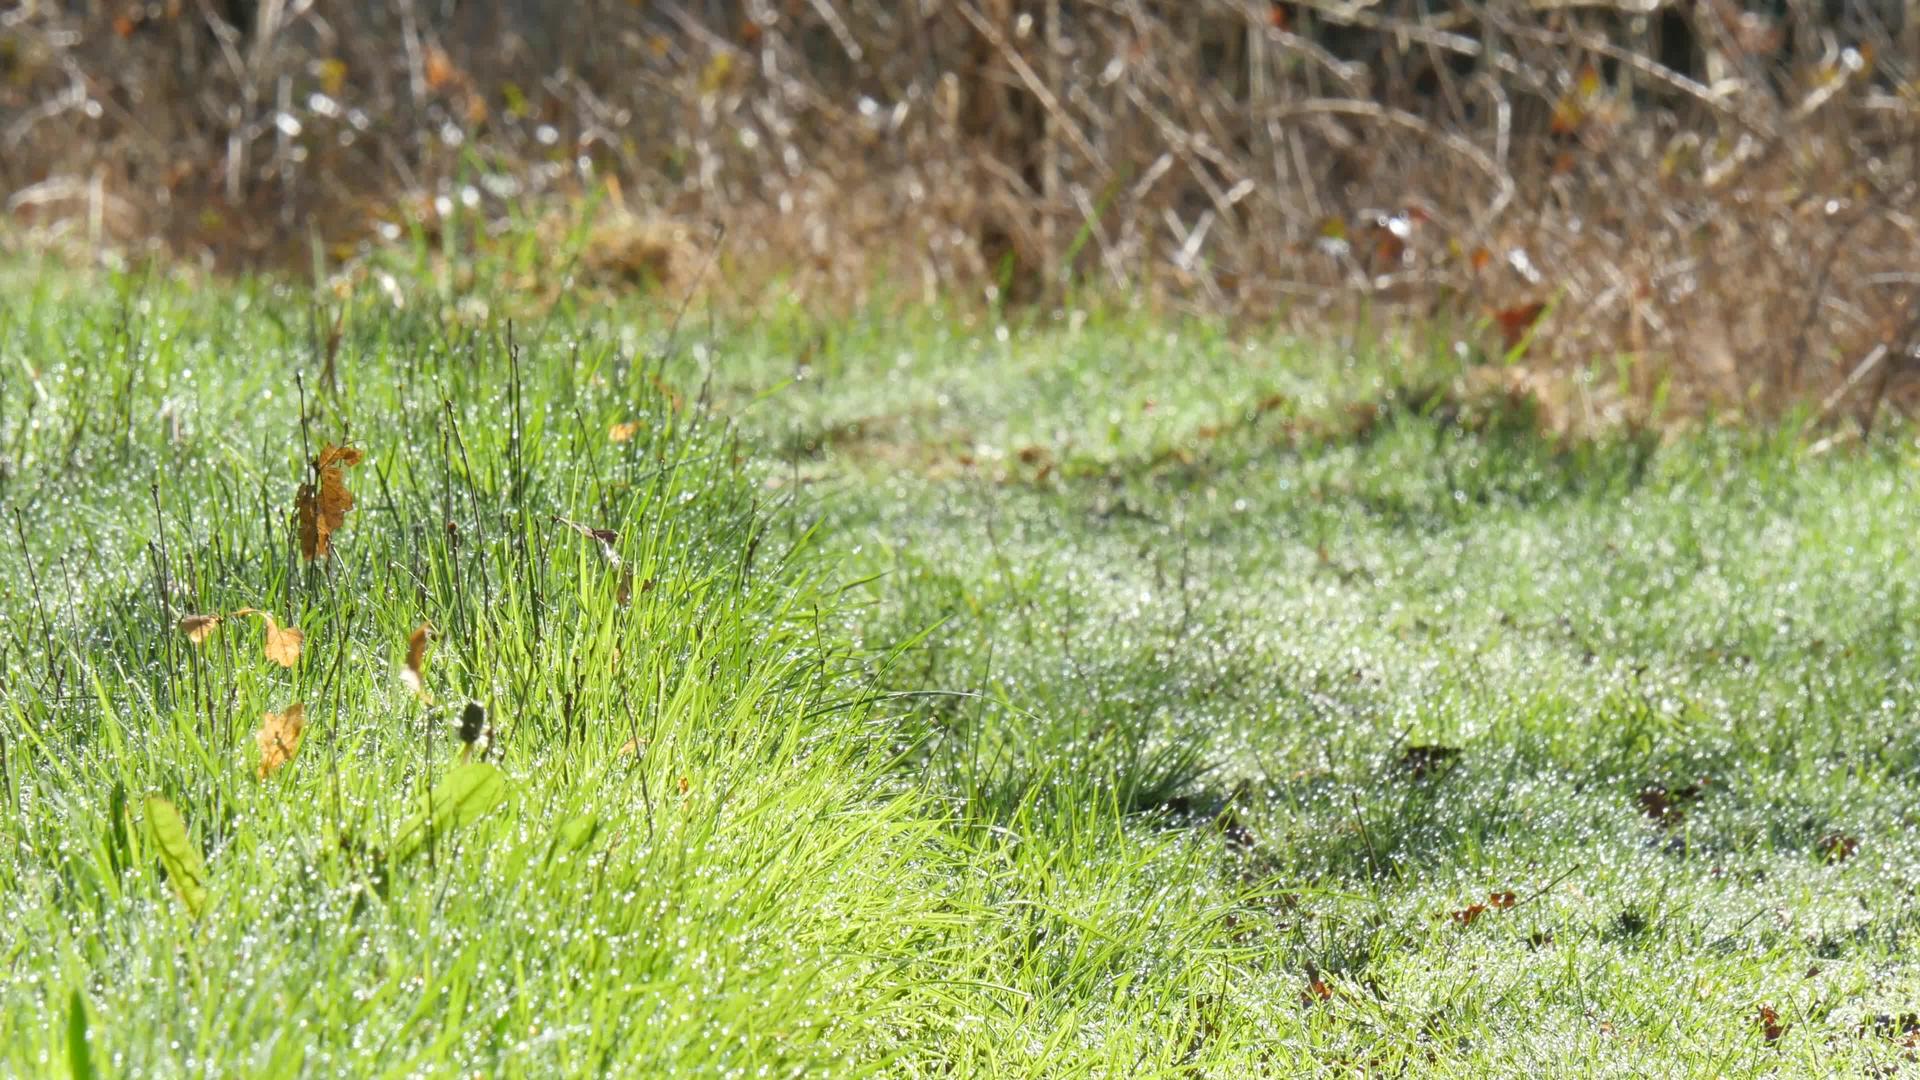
(718, 70)
(1589, 84)
(199, 628)
(333, 76)
(624, 432)
(283, 643)
(279, 737)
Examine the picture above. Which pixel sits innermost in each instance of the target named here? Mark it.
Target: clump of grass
(693, 862)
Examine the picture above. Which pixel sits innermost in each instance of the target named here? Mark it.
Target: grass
(1099, 697)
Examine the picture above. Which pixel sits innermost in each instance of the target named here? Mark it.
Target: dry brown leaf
(440, 70)
(199, 628)
(283, 642)
(1514, 322)
(605, 536)
(1770, 1026)
(415, 673)
(322, 504)
(624, 432)
(279, 737)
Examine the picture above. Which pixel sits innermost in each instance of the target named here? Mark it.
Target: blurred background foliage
(1694, 203)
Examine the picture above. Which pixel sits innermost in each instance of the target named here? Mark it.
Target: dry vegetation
(1710, 205)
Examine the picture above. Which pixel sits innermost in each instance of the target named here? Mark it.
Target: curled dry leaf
(279, 737)
(606, 538)
(1466, 915)
(415, 673)
(1770, 1026)
(1317, 990)
(199, 628)
(1839, 847)
(1499, 901)
(322, 503)
(283, 642)
(1668, 806)
(1515, 322)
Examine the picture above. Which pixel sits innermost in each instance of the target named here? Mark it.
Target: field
(916, 695)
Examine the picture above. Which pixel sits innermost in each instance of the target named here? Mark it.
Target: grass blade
(79, 1054)
(186, 870)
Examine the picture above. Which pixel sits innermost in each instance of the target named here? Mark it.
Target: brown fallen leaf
(1668, 806)
(414, 675)
(1514, 322)
(623, 432)
(283, 643)
(1466, 915)
(605, 536)
(199, 628)
(1499, 901)
(1839, 847)
(279, 737)
(323, 502)
(1770, 1026)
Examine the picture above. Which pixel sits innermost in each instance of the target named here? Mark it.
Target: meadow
(922, 693)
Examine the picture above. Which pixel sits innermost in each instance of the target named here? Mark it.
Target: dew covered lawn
(1103, 697)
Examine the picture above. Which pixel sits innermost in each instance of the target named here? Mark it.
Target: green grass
(1073, 700)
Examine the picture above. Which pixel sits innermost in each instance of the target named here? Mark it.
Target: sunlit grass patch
(905, 697)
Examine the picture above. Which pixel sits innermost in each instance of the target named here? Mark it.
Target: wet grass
(1106, 696)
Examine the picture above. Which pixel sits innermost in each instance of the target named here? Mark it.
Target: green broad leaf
(79, 1054)
(186, 870)
(467, 794)
(571, 837)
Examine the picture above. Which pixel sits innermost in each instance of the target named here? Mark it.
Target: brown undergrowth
(1712, 206)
